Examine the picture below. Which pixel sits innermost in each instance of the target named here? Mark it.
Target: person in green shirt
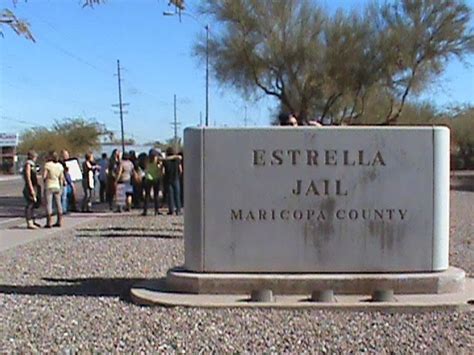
(151, 180)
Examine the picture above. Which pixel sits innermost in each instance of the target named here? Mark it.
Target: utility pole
(121, 105)
(175, 125)
(200, 118)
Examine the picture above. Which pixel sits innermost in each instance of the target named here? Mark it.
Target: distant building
(8, 155)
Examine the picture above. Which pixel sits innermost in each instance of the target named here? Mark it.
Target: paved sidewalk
(18, 234)
(9, 177)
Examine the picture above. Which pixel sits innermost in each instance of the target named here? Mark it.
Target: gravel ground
(69, 294)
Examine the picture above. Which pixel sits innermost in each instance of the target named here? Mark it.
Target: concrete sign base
(156, 293)
(449, 281)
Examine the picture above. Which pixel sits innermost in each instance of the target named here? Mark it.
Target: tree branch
(329, 102)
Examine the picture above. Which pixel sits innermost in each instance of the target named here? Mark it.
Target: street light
(206, 27)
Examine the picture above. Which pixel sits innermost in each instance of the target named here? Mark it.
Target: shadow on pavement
(99, 214)
(81, 287)
(129, 235)
(130, 232)
(127, 229)
(20, 227)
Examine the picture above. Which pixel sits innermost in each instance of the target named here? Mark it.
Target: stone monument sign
(312, 200)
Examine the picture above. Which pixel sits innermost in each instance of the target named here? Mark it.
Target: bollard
(383, 295)
(264, 295)
(322, 296)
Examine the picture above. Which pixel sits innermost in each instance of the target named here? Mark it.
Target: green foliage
(20, 27)
(462, 137)
(42, 141)
(75, 135)
(418, 38)
(271, 46)
(379, 104)
(316, 64)
(92, 3)
(459, 119)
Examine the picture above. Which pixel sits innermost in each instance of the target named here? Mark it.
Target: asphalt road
(12, 204)
(11, 200)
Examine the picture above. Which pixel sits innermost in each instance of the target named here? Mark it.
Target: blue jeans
(65, 196)
(174, 199)
(64, 200)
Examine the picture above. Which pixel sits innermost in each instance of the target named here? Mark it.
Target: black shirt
(172, 169)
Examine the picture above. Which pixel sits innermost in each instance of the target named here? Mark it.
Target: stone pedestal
(294, 211)
(450, 281)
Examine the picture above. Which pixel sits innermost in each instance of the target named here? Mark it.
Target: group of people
(128, 181)
(125, 180)
(57, 186)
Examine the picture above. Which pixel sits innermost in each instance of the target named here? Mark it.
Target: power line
(29, 123)
(26, 82)
(76, 57)
(88, 63)
(66, 51)
(140, 91)
(64, 35)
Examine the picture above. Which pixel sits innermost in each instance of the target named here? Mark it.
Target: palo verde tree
(76, 135)
(316, 64)
(417, 39)
(269, 46)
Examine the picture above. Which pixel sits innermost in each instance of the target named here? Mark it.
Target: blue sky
(69, 71)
